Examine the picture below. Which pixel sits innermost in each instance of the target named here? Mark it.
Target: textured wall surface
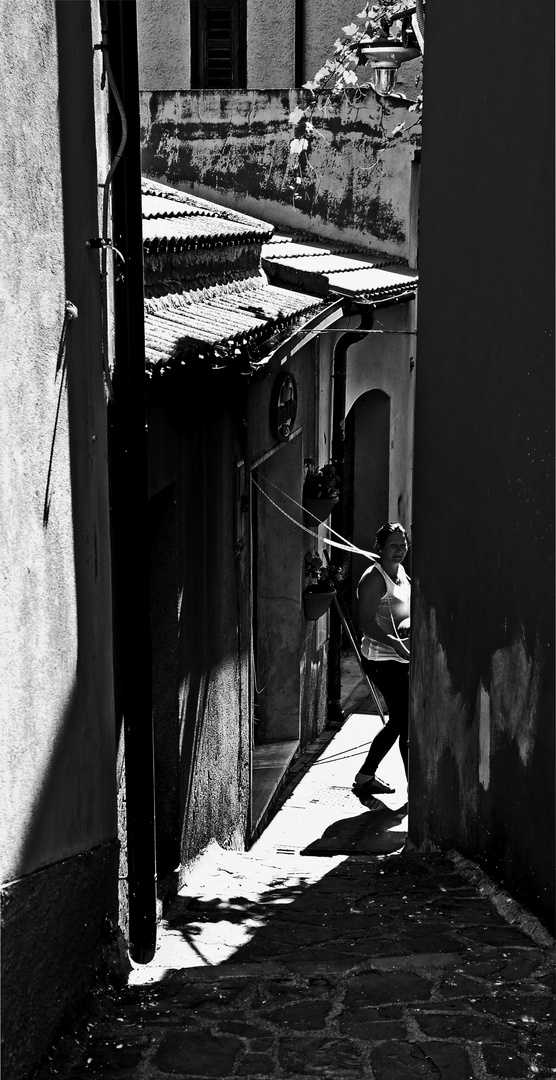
(270, 43)
(58, 746)
(164, 47)
(58, 778)
(58, 931)
(482, 742)
(233, 147)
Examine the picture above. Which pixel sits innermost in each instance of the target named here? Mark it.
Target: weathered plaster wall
(58, 779)
(482, 738)
(233, 148)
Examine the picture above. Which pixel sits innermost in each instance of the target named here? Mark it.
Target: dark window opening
(218, 44)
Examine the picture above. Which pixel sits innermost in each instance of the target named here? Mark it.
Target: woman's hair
(385, 531)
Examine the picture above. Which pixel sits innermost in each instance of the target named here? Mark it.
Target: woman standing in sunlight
(384, 595)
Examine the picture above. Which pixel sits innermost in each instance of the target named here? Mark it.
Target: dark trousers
(392, 679)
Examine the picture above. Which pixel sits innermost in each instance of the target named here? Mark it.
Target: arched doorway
(368, 436)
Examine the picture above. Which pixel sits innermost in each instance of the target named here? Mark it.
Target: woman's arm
(371, 590)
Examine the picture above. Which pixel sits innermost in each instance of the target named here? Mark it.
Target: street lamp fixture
(387, 52)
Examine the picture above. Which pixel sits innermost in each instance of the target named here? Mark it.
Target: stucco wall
(233, 147)
(163, 43)
(270, 43)
(58, 778)
(482, 738)
(56, 569)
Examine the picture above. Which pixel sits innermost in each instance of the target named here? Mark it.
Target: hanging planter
(318, 508)
(320, 492)
(317, 597)
(316, 604)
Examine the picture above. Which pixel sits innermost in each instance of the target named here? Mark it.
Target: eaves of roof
(223, 325)
(322, 270)
(173, 220)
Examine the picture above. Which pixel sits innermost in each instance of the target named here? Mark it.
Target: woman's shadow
(379, 830)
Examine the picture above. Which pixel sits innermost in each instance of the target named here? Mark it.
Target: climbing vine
(342, 79)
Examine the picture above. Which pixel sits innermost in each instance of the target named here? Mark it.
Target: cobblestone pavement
(358, 963)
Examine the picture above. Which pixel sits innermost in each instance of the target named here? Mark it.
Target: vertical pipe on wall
(129, 492)
(299, 59)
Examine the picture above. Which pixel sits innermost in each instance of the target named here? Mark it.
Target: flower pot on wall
(316, 604)
(318, 508)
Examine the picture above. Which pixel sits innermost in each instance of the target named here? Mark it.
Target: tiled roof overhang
(221, 325)
(193, 232)
(326, 272)
(176, 221)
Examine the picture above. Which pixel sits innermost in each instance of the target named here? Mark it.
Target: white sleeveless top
(393, 607)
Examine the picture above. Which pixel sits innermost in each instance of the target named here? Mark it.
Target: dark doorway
(369, 420)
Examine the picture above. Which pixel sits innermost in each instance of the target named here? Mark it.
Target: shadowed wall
(482, 739)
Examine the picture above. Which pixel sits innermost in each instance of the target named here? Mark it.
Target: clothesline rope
(345, 546)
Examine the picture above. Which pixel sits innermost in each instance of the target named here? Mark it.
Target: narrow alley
(330, 950)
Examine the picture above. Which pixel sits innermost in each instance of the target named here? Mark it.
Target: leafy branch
(338, 81)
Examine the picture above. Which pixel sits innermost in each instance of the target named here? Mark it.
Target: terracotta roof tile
(193, 231)
(174, 220)
(323, 269)
(212, 324)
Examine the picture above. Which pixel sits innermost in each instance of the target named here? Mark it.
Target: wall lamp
(386, 52)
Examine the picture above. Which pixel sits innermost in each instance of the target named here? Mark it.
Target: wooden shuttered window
(218, 44)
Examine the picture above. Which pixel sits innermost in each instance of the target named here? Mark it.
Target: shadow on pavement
(378, 831)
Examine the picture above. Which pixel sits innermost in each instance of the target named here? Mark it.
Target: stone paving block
(199, 997)
(415, 962)
(261, 1046)
(505, 1062)
(420, 1061)
(364, 1024)
(286, 936)
(518, 1008)
(378, 989)
(114, 1055)
(255, 1065)
(322, 965)
(429, 941)
(331, 1058)
(503, 935)
(198, 1055)
(285, 992)
(505, 969)
(305, 1016)
(462, 1026)
(241, 1027)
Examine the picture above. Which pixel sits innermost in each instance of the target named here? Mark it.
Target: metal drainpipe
(339, 372)
(299, 43)
(129, 491)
